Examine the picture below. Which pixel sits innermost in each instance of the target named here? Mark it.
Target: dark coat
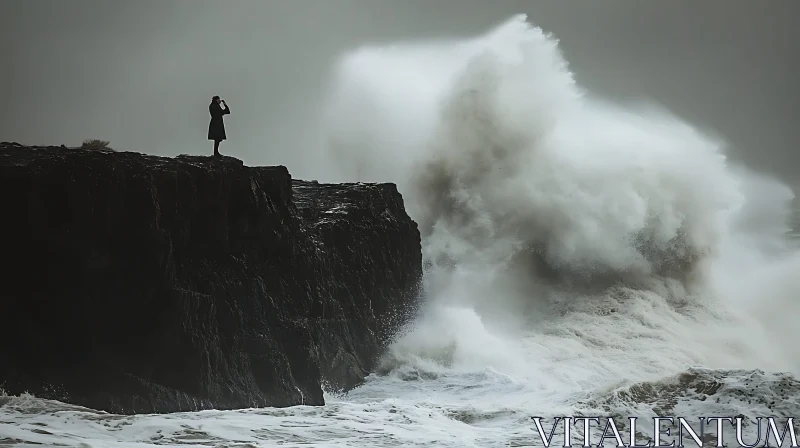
(216, 128)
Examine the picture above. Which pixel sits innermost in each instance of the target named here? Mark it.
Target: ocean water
(582, 258)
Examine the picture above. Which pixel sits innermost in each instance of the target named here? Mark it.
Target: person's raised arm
(227, 109)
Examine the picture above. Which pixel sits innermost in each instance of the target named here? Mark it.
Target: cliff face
(148, 284)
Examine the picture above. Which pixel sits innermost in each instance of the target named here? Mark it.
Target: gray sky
(140, 73)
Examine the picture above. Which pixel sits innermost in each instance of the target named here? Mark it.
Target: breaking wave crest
(554, 219)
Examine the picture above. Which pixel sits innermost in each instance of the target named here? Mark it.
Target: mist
(141, 74)
(539, 203)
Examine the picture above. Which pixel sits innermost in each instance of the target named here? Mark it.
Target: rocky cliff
(135, 283)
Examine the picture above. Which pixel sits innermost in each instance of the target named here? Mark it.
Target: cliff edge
(137, 283)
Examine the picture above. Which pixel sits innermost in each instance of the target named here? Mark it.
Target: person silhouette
(216, 127)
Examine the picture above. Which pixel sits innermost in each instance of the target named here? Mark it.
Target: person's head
(215, 99)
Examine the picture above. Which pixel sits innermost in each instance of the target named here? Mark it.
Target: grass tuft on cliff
(95, 144)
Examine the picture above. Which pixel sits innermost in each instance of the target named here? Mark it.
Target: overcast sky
(140, 73)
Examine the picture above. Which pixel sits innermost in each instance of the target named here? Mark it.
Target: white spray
(560, 230)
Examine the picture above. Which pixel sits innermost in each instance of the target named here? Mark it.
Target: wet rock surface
(138, 283)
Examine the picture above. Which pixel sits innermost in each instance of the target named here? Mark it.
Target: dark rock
(137, 283)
